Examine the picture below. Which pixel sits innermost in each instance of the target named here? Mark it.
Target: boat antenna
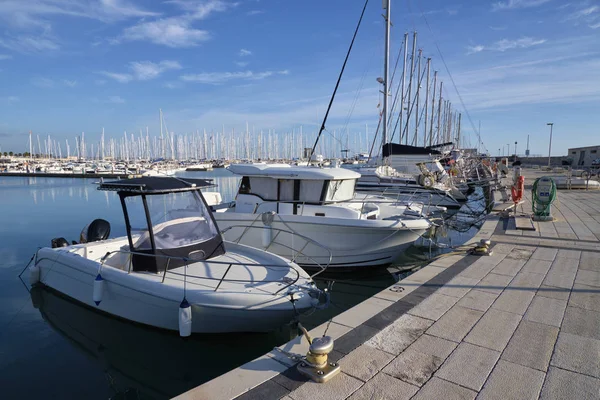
(338, 82)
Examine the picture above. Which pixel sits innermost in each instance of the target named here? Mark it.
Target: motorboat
(317, 204)
(173, 270)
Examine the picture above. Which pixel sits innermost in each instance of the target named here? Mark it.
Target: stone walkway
(523, 323)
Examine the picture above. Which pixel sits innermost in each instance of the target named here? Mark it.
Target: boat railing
(267, 220)
(287, 281)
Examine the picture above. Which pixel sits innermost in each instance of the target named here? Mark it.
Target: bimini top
(155, 185)
(285, 171)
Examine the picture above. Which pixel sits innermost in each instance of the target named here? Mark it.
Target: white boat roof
(286, 171)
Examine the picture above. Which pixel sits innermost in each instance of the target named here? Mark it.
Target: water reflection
(149, 362)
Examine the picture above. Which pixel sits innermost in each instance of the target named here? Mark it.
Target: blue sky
(68, 66)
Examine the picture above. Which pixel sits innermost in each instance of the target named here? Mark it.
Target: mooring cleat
(315, 365)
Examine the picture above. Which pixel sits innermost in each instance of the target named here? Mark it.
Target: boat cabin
(168, 222)
(281, 186)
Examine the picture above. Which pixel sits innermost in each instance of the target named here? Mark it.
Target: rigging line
(451, 77)
(338, 80)
(398, 89)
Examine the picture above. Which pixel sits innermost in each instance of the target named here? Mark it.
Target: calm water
(51, 347)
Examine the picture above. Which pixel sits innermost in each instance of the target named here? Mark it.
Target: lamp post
(508, 150)
(550, 145)
(499, 155)
(515, 151)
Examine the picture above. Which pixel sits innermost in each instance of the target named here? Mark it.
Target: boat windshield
(178, 220)
(340, 190)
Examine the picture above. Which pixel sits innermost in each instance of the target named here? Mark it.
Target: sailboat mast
(386, 65)
(403, 84)
(416, 139)
(426, 102)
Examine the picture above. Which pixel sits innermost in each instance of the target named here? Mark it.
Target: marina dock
(521, 323)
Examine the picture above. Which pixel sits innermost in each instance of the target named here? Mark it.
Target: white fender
(34, 274)
(98, 289)
(267, 236)
(185, 319)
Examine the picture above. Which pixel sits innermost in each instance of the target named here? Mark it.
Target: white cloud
(514, 4)
(177, 31)
(42, 82)
(29, 44)
(201, 9)
(122, 78)
(244, 53)
(146, 70)
(5, 57)
(255, 12)
(10, 99)
(28, 14)
(69, 83)
(143, 71)
(506, 44)
(116, 100)
(215, 78)
(585, 14)
(241, 64)
(172, 32)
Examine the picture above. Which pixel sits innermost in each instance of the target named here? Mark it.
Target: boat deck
(523, 323)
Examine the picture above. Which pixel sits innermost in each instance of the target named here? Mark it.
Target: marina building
(584, 156)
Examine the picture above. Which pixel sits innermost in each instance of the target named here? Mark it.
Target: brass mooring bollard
(315, 365)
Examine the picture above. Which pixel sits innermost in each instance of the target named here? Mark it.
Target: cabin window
(265, 188)
(286, 190)
(340, 190)
(245, 186)
(593, 151)
(310, 191)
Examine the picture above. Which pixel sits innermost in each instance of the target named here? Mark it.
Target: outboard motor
(99, 229)
(59, 242)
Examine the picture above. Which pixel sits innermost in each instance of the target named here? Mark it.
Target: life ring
(517, 191)
(426, 180)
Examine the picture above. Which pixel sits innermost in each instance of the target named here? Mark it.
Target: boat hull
(150, 302)
(352, 243)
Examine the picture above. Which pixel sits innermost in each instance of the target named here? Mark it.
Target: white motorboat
(173, 270)
(318, 204)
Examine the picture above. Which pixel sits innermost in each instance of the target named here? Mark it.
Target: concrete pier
(523, 323)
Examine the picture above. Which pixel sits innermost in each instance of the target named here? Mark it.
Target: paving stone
(434, 306)
(521, 253)
(455, 324)
(562, 384)
(561, 280)
(413, 367)
(437, 388)
(267, 390)
(503, 248)
(424, 274)
(356, 337)
(468, 366)
(537, 266)
(389, 315)
(577, 354)
(364, 362)
(531, 345)
(477, 300)
(509, 266)
(572, 254)
(553, 292)
(546, 311)
(447, 261)
(544, 253)
(582, 322)
(514, 300)
(494, 329)
(434, 346)
(458, 286)
(512, 381)
(527, 280)
(590, 261)
(587, 297)
(563, 265)
(417, 363)
(590, 278)
(384, 387)
(399, 335)
(339, 388)
(362, 312)
(291, 378)
(236, 381)
(477, 271)
(494, 283)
